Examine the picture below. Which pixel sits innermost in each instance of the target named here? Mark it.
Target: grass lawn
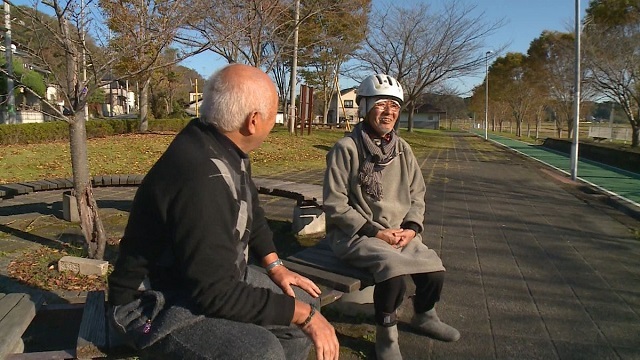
(136, 153)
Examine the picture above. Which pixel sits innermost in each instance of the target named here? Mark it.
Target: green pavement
(619, 183)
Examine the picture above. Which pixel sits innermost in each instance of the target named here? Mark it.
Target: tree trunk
(90, 222)
(325, 114)
(144, 105)
(409, 117)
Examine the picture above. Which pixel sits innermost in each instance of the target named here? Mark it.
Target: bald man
(181, 287)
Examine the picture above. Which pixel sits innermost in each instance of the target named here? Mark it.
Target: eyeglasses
(389, 104)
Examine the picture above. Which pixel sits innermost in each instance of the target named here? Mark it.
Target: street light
(486, 93)
(10, 115)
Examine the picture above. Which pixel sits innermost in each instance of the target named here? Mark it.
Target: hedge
(59, 130)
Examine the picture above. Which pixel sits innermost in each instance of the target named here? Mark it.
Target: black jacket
(193, 218)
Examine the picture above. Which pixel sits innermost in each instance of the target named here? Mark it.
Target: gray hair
(227, 103)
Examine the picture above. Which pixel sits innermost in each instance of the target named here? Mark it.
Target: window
(348, 103)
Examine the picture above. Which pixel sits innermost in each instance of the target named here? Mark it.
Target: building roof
(429, 108)
(344, 91)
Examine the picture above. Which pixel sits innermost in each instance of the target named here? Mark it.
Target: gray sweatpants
(212, 338)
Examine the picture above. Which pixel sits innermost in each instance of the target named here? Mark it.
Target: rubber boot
(387, 346)
(429, 324)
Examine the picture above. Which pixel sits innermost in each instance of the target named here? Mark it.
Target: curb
(8, 191)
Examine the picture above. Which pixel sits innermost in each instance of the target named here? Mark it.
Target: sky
(524, 21)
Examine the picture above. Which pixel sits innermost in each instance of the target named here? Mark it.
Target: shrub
(59, 130)
(33, 133)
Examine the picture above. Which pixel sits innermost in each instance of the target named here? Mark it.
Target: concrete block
(358, 303)
(70, 207)
(83, 266)
(308, 220)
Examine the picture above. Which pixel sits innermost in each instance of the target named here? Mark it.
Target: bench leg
(356, 303)
(18, 347)
(308, 220)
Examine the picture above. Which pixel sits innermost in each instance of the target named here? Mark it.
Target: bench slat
(16, 312)
(330, 279)
(92, 337)
(44, 355)
(325, 260)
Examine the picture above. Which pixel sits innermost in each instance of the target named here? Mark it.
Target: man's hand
(324, 337)
(284, 278)
(319, 330)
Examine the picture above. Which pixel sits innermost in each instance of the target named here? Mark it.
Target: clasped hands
(397, 238)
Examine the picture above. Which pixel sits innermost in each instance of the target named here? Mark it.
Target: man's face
(383, 116)
(268, 121)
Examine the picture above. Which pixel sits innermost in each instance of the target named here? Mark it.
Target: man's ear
(251, 121)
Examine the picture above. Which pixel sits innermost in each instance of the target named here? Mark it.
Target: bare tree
(424, 48)
(330, 38)
(59, 46)
(65, 32)
(257, 32)
(150, 27)
(551, 57)
(511, 87)
(612, 46)
(244, 31)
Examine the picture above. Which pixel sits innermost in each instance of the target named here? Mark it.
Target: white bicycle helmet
(379, 85)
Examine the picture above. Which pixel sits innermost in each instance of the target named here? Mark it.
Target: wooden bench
(94, 340)
(16, 312)
(97, 340)
(319, 264)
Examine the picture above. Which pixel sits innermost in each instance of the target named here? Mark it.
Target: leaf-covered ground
(39, 268)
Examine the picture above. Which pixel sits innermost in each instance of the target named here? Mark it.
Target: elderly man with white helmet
(374, 203)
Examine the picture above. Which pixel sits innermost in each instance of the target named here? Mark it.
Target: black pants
(388, 295)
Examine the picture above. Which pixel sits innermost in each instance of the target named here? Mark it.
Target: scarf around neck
(377, 157)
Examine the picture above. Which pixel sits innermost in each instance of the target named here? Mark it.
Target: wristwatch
(270, 267)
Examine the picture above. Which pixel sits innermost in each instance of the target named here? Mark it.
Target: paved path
(533, 271)
(536, 269)
(621, 184)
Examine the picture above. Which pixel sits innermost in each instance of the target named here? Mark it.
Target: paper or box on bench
(83, 266)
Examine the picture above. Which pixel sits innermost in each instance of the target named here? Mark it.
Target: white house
(425, 117)
(343, 107)
(118, 99)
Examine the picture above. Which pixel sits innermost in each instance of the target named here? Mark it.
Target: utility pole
(10, 114)
(197, 98)
(294, 65)
(576, 98)
(486, 94)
